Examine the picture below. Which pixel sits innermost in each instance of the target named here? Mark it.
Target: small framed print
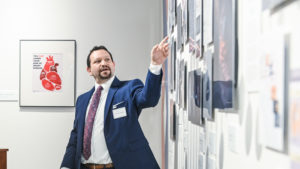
(195, 85)
(207, 86)
(47, 73)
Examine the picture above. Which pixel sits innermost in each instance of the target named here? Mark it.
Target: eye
(107, 59)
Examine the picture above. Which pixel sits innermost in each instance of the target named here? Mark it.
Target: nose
(103, 62)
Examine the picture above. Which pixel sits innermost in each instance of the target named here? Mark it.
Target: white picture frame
(47, 73)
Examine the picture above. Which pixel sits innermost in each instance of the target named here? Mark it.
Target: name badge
(120, 112)
(115, 106)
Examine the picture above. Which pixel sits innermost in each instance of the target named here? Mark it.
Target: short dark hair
(88, 60)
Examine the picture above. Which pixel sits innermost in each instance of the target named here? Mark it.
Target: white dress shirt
(99, 151)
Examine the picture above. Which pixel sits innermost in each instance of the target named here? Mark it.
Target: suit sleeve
(69, 157)
(148, 95)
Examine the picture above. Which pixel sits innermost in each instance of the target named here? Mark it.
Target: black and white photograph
(207, 86)
(195, 96)
(185, 87)
(172, 111)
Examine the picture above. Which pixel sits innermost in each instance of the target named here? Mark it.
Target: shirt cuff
(155, 69)
(65, 168)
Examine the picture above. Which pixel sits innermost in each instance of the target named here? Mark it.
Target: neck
(102, 81)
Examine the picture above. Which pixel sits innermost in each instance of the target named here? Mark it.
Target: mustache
(104, 68)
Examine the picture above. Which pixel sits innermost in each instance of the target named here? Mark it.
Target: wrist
(154, 63)
(155, 69)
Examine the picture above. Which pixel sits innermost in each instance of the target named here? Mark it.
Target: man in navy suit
(106, 131)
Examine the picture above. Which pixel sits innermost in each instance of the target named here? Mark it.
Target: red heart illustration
(47, 85)
(54, 78)
(49, 76)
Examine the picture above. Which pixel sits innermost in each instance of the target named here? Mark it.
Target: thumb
(154, 48)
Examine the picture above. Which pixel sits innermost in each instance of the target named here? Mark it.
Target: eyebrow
(105, 57)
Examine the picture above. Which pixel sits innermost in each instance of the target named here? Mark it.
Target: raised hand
(160, 52)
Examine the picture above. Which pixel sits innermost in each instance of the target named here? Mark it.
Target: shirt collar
(105, 85)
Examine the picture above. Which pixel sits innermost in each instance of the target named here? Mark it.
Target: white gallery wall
(37, 137)
(237, 138)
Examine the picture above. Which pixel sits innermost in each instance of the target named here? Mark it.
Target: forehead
(99, 54)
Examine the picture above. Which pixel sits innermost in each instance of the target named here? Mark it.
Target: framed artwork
(195, 96)
(224, 65)
(198, 28)
(185, 87)
(207, 86)
(177, 81)
(294, 104)
(207, 22)
(273, 90)
(171, 15)
(174, 3)
(172, 120)
(47, 73)
(172, 66)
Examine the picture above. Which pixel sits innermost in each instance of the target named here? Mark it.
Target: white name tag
(115, 106)
(120, 112)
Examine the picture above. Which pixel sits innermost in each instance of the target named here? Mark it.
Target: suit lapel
(112, 90)
(83, 109)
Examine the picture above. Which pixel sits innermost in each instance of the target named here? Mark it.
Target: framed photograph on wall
(195, 85)
(172, 65)
(207, 22)
(225, 53)
(207, 86)
(273, 90)
(172, 108)
(47, 73)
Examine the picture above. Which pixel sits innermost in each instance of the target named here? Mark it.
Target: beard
(105, 73)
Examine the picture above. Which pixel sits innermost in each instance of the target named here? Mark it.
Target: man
(106, 131)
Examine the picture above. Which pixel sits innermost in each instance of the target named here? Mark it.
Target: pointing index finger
(164, 40)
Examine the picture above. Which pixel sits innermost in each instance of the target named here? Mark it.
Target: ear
(88, 69)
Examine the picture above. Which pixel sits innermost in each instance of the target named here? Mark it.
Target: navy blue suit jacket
(126, 143)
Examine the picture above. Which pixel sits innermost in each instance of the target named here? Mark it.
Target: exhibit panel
(242, 93)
